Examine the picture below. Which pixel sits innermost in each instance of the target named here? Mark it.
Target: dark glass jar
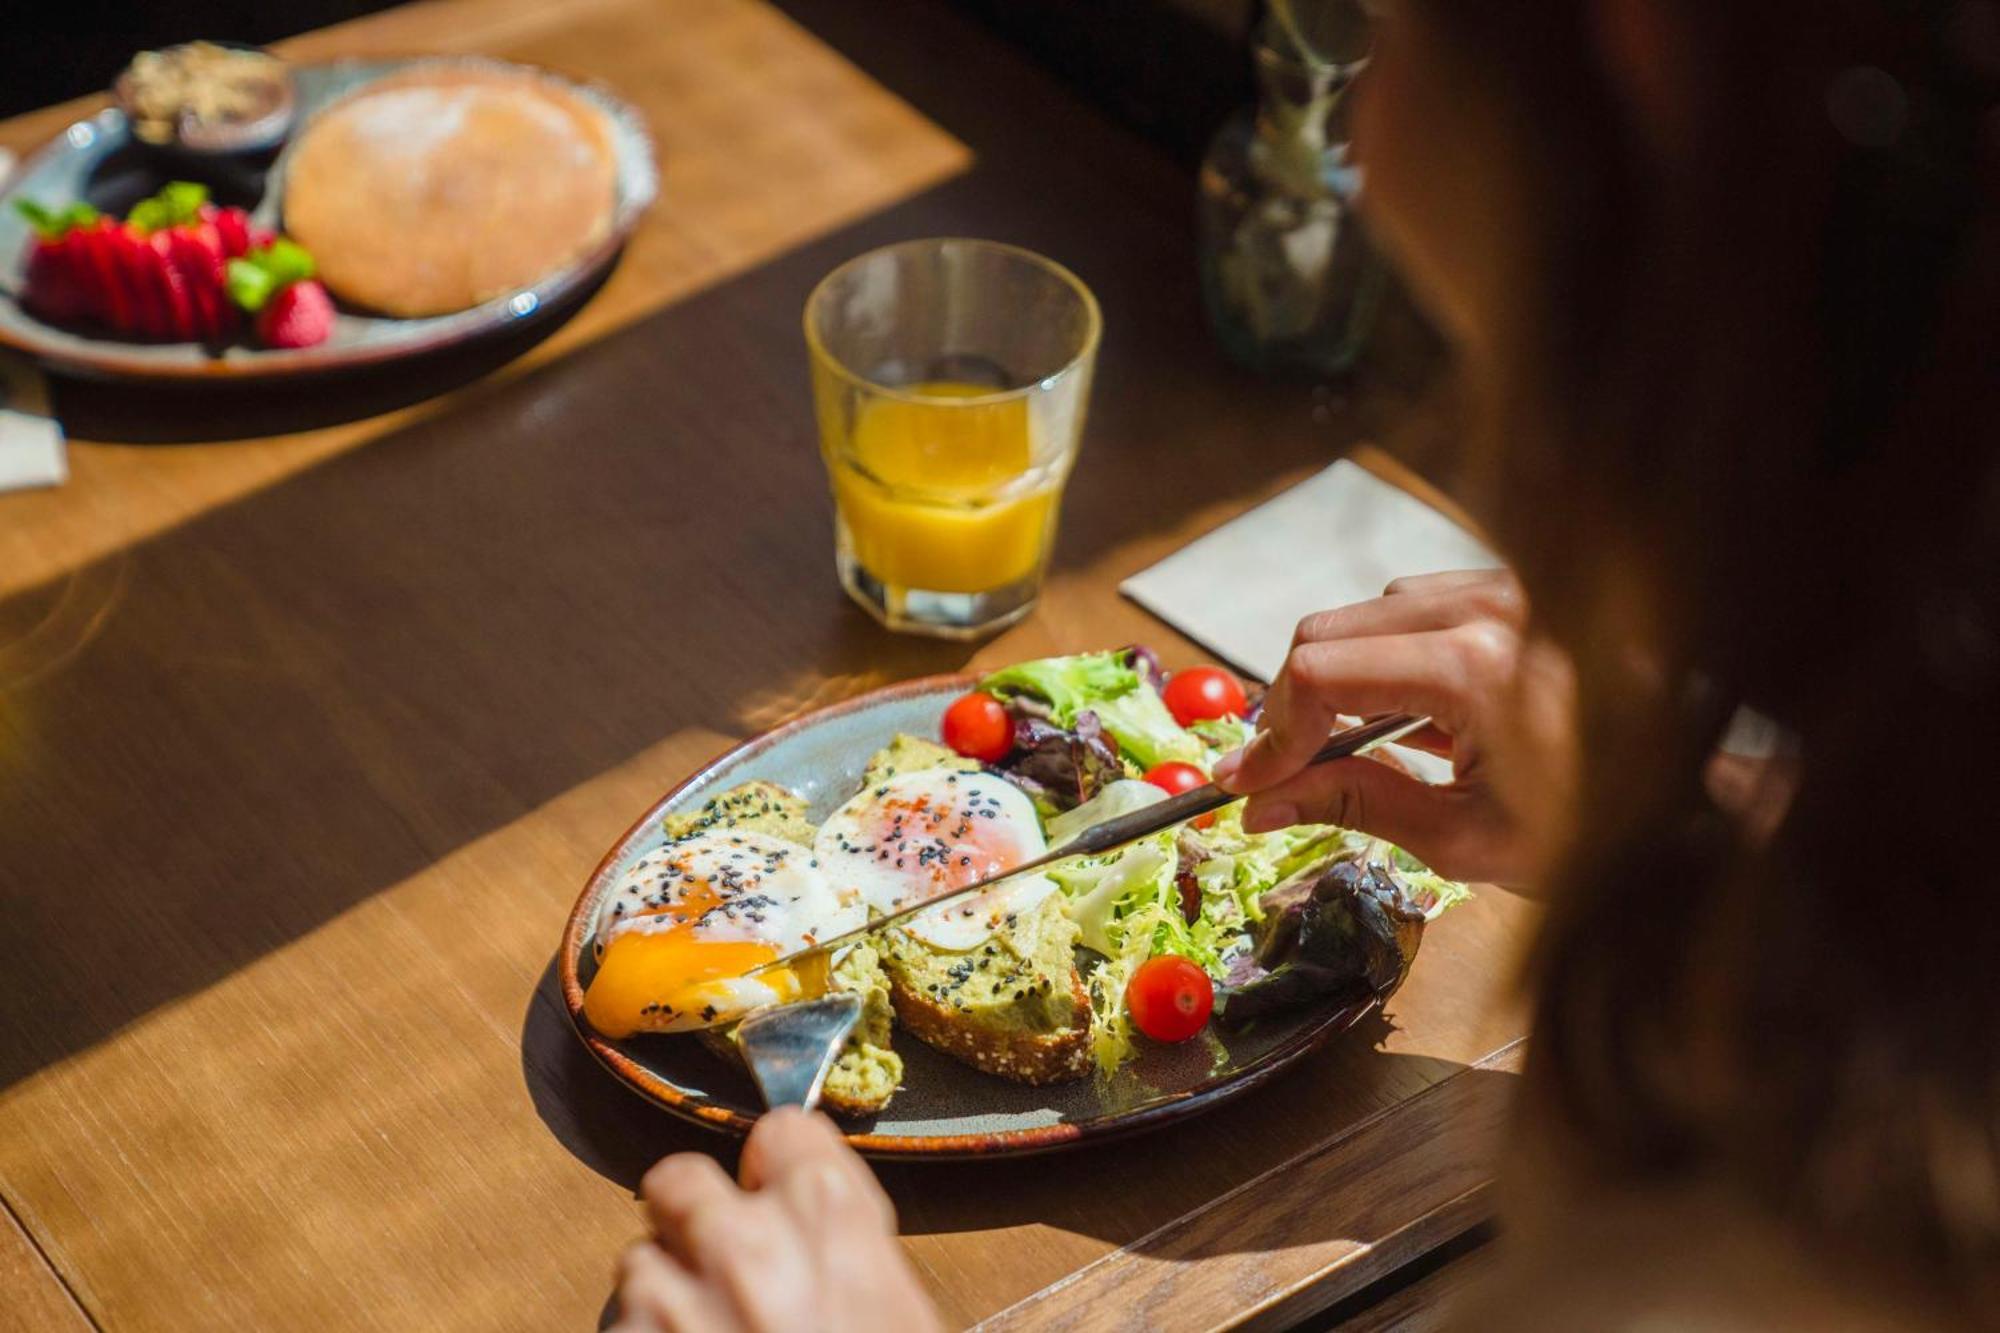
(1287, 274)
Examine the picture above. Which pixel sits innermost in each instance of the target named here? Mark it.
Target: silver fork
(790, 1047)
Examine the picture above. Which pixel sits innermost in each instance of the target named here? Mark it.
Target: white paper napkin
(1335, 538)
(31, 439)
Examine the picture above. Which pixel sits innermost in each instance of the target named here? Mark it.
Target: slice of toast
(756, 806)
(1014, 1006)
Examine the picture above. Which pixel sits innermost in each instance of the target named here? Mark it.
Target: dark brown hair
(1753, 407)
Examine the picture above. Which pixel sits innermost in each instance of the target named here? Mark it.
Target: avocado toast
(1012, 1005)
(867, 1071)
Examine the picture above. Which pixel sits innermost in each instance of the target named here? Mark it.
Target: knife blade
(1118, 831)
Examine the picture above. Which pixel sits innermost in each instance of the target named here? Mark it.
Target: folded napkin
(1335, 538)
(31, 439)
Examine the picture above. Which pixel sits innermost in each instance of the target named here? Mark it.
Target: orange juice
(943, 496)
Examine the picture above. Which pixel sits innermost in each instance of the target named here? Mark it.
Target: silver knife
(1123, 829)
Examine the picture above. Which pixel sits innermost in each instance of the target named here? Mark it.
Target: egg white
(918, 835)
(765, 891)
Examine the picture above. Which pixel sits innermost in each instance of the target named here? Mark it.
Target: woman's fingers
(679, 1191)
(1440, 673)
(707, 1223)
(1456, 580)
(808, 1241)
(1449, 828)
(762, 1260)
(803, 1161)
(655, 1293)
(1359, 794)
(1415, 610)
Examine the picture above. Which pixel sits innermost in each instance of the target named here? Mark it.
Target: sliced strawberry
(55, 285)
(299, 314)
(89, 281)
(145, 276)
(114, 289)
(184, 323)
(198, 255)
(233, 226)
(260, 237)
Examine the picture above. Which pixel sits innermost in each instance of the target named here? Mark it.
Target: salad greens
(1198, 893)
(1112, 686)
(1068, 685)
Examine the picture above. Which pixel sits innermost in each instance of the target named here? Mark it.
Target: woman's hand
(807, 1241)
(1449, 646)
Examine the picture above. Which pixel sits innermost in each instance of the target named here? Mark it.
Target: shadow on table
(604, 1124)
(135, 412)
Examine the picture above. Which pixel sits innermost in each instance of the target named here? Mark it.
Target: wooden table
(316, 707)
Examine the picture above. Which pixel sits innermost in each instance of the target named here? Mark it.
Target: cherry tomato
(977, 726)
(1169, 997)
(1173, 779)
(1200, 694)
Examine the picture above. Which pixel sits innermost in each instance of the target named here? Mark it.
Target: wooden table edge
(31, 1287)
(1370, 1259)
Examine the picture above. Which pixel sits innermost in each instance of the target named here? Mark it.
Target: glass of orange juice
(950, 378)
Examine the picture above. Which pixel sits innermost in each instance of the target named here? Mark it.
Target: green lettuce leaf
(1145, 730)
(1427, 889)
(1123, 797)
(1224, 734)
(1067, 684)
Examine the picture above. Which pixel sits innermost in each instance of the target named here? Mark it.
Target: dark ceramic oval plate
(945, 1109)
(97, 159)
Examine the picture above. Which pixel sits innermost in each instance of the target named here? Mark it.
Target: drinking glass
(950, 378)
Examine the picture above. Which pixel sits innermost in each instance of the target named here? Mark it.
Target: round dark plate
(98, 159)
(945, 1109)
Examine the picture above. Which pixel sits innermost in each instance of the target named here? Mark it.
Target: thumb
(1369, 797)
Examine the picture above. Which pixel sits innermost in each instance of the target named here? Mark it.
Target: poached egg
(918, 835)
(685, 921)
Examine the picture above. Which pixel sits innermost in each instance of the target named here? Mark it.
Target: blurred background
(1172, 69)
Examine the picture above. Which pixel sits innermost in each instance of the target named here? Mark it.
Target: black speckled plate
(96, 159)
(945, 1109)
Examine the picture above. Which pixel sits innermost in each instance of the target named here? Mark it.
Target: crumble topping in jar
(185, 90)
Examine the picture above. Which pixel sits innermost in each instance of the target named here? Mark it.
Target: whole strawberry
(274, 283)
(299, 314)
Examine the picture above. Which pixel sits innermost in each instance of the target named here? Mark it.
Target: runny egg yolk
(649, 973)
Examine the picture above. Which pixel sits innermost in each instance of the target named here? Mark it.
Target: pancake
(442, 187)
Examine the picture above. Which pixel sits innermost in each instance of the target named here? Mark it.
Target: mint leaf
(54, 224)
(250, 284)
(286, 261)
(257, 277)
(177, 202)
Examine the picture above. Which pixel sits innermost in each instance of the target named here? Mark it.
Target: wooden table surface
(317, 706)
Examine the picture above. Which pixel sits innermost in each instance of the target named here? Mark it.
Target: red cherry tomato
(977, 726)
(1173, 779)
(1169, 998)
(1201, 694)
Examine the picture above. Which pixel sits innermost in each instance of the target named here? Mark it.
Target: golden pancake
(440, 188)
